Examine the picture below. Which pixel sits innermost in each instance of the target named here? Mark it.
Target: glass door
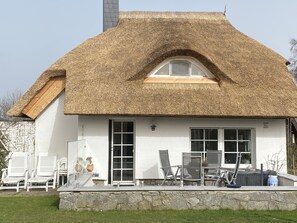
(122, 165)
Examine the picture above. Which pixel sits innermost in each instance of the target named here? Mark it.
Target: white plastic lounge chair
(16, 175)
(46, 174)
(167, 169)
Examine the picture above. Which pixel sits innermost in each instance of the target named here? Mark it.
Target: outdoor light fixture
(153, 127)
(153, 123)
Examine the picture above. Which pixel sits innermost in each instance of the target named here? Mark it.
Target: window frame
(237, 141)
(192, 61)
(221, 144)
(204, 140)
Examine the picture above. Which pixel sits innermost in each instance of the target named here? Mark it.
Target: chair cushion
(233, 186)
(40, 179)
(12, 180)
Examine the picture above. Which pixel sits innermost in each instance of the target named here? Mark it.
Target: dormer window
(181, 70)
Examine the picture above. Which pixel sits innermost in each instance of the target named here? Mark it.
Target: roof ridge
(172, 15)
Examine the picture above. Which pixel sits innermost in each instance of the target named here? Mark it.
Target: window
(181, 67)
(203, 140)
(181, 70)
(236, 141)
(230, 141)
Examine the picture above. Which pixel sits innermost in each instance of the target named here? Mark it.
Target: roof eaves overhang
(44, 97)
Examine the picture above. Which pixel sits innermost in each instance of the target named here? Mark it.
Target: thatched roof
(105, 75)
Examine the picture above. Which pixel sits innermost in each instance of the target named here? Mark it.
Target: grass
(45, 209)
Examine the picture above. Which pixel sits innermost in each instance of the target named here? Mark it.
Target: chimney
(110, 13)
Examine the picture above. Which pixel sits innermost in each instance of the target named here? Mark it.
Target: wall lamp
(153, 123)
(153, 127)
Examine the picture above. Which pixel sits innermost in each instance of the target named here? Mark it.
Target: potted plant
(274, 166)
(90, 165)
(78, 165)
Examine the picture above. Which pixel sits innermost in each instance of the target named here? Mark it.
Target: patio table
(205, 176)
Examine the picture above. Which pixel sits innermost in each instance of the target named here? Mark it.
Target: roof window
(181, 67)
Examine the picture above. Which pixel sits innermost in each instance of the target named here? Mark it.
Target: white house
(182, 81)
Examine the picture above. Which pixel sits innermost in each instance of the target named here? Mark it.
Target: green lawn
(45, 209)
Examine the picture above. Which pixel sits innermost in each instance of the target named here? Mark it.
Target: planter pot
(90, 167)
(78, 168)
(272, 180)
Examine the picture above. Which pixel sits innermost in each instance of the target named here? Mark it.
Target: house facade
(177, 81)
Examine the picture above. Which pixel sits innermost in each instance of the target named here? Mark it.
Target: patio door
(122, 152)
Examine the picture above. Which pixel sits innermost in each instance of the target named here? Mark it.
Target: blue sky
(36, 33)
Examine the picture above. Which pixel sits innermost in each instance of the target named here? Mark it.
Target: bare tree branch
(7, 101)
(293, 59)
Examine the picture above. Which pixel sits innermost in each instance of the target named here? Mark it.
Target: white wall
(95, 131)
(174, 134)
(54, 129)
